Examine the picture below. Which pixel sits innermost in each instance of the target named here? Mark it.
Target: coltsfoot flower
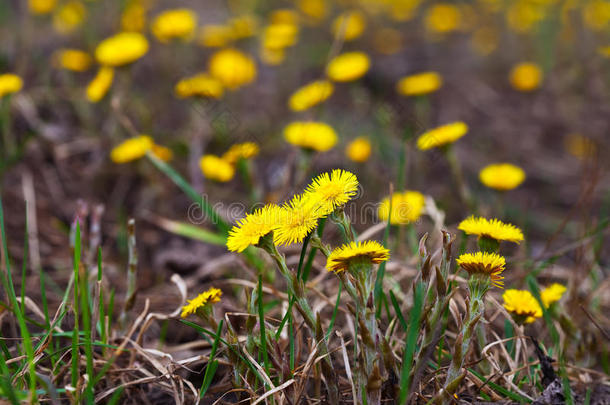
(298, 218)
(368, 252)
(551, 294)
(10, 83)
(349, 25)
(250, 229)
(133, 17)
(69, 16)
(359, 150)
(131, 149)
(200, 85)
(522, 304)
(407, 207)
(331, 190)
(233, 68)
(502, 176)
(348, 66)
(279, 36)
(491, 264)
(443, 18)
(216, 168)
(41, 6)
(72, 59)
(491, 228)
(441, 136)
(246, 150)
(209, 297)
(311, 135)
(310, 95)
(174, 24)
(526, 77)
(99, 86)
(121, 49)
(215, 35)
(419, 84)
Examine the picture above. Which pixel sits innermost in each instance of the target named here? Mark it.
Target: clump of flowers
(502, 176)
(441, 136)
(359, 150)
(402, 207)
(10, 83)
(522, 305)
(348, 66)
(121, 49)
(526, 77)
(419, 84)
(310, 95)
(174, 24)
(311, 135)
(232, 68)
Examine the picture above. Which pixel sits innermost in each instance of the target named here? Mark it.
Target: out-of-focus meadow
(397, 201)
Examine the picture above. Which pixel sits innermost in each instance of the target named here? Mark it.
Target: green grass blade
(378, 289)
(411, 342)
(261, 317)
(116, 396)
(210, 369)
(396, 306)
(191, 231)
(76, 334)
(334, 316)
(501, 390)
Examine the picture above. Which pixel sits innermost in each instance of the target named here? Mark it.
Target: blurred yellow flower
(72, 59)
(359, 150)
(441, 136)
(284, 16)
(246, 150)
(216, 168)
(388, 41)
(133, 17)
(443, 18)
(249, 230)
(596, 14)
(272, 57)
(348, 66)
(298, 218)
(524, 15)
(69, 17)
(211, 296)
(121, 49)
(162, 152)
(41, 6)
(310, 95)
(604, 51)
(314, 9)
(502, 176)
(484, 263)
(580, 146)
(403, 10)
(349, 25)
(491, 228)
(131, 149)
(99, 86)
(215, 35)
(10, 83)
(419, 84)
(279, 36)
(405, 207)
(357, 253)
(331, 190)
(552, 294)
(178, 23)
(244, 26)
(200, 85)
(311, 135)
(522, 304)
(232, 67)
(525, 76)
(485, 40)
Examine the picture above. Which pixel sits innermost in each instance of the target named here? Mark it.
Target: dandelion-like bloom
(216, 168)
(551, 294)
(298, 218)
(491, 228)
(502, 176)
(329, 191)
(368, 252)
(406, 207)
(279, 36)
(211, 296)
(246, 150)
(233, 68)
(419, 84)
(522, 304)
(99, 86)
(526, 77)
(348, 66)
(131, 149)
(121, 49)
(311, 135)
(310, 95)
(174, 24)
(215, 35)
(441, 136)
(10, 83)
(443, 18)
(250, 229)
(349, 25)
(69, 16)
(359, 150)
(72, 59)
(491, 264)
(41, 7)
(200, 85)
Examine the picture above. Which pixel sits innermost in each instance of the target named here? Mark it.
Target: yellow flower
(41, 6)
(502, 176)
(69, 16)
(216, 168)
(580, 146)
(72, 59)
(596, 14)
(121, 49)
(215, 35)
(10, 83)
(491, 228)
(178, 23)
(388, 41)
(551, 294)
(329, 191)
(98, 87)
(485, 40)
(211, 296)
(298, 218)
(252, 227)
(419, 84)
(359, 150)
(131, 149)
(349, 25)
(523, 304)
(311, 135)
(404, 10)
(272, 57)
(133, 17)
(279, 36)
(233, 68)
(523, 15)
(441, 136)
(406, 207)
(163, 153)
(484, 263)
(525, 77)
(315, 9)
(369, 252)
(310, 95)
(244, 26)
(443, 18)
(238, 151)
(200, 85)
(348, 66)
(284, 16)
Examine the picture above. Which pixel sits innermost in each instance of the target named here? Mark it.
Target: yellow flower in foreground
(216, 168)
(215, 35)
(369, 252)
(298, 218)
(525, 77)
(238, 151)
(441, 136)
(522, 304)
(310, 95)
(502, 176)
(349, 25)
(211, 296)
(69, 17)
(200, 85)
(348, 66)
(232, 67)
(72, 59)
(131, 149)
(359, 150)
(121, 49)
(41, 6)
(491, 228)
(331, 190)
(443, 18)
(484, 263)
(419, 84)
(252, 227)
(98, 87)
(174, 24)
(406, 207)
(10, 83)
(551, 294)
(311, 135)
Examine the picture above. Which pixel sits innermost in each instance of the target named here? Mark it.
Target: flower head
(72, 59)
(419, 84)
(200, 85)
(522, 304)
(69, 16)
(349, 25)
(443, 18)
(484, 263)
(502, 176)
(359, 149)
(216, 168)
(332, 190)
(311, 135)
(99, 86)
(348, 66)
(209, 297)
(133, 17)
(174, 24)
(10, 83)
(41, 6)
(233, 68)
(131, 149)
(244, 26)
(406, 207)
(551, 294)
(526, 77)
(363, 252)
(310, 95)
(491, 228)
(279, 36)
(162, 152)
(215, 35)
(239, 151)
(441, 136)
(297, 219)
(121, 49)
(252, 227)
